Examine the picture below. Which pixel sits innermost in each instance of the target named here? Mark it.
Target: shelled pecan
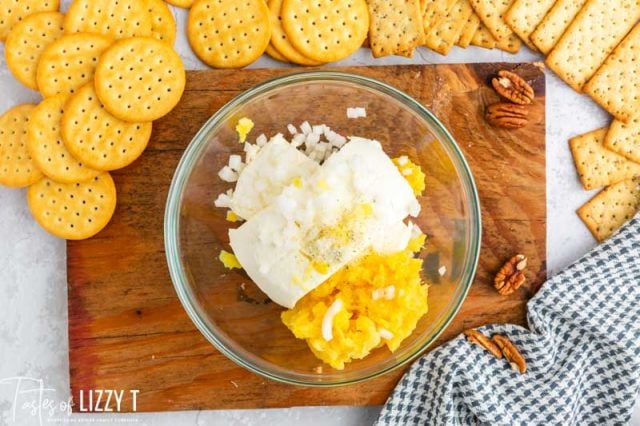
(480, 339)
(511, 86)
(511, 275)
(507, 116)
(511, 353)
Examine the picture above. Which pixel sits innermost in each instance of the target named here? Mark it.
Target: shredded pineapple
(412, 173)
(357, 327)
(229, 260)
(383, 299)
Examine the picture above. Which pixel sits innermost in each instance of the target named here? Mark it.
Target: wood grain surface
(127, 328)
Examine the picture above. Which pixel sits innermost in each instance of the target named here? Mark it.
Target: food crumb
(442, 270)
(357, 112)
(229, 260)
(232, 217)
(243, 128)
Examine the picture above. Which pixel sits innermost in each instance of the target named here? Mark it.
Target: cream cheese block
(262, 180)
(324, 220)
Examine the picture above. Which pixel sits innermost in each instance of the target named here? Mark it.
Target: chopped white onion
(338, 141)
(390, 292)
(319, 129)
(223, 201)
(261, 140)
(305, 127)
(327, 321)
(385, 334)
(312, 139)
(356, 112)
(227, 174)
(252, 152)
(234, 162)
(240, 168)
(292, 129)
(298, 140)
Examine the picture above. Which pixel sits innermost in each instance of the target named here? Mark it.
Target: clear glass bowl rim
(199, 143)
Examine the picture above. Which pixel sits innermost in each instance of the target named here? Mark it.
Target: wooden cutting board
(127, 329)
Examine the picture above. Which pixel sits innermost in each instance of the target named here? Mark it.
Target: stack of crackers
(106, 70)
(227, 34)
(594, 46)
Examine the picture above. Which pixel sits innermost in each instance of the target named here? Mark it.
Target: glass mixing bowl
(229, 309)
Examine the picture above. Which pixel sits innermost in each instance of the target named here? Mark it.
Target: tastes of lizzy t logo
(31, 398)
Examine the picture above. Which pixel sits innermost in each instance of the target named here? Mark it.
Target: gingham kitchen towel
(582, 350)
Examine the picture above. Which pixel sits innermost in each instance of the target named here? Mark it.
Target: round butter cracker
(325, 30)
(273, 53)
(114, 18)
(229, 33)
(184, 4)
(140, 79)
(14, 11)
(73, 211)
(163, 24)
(97, 138)
(26, 42)
(17, 168)
(279, 38)
(47, 149)
(69, 63)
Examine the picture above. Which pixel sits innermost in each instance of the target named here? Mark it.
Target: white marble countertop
(33, 301)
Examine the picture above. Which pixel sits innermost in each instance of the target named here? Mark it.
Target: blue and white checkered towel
(582, 349)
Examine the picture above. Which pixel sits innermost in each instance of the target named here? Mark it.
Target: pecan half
(480, 339)
(511, 275)
(507, 116)
(511, 353)
(513, 87)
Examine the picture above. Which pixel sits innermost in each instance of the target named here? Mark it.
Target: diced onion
(227, 174)
(261, 140)
(385, 334)
(306, 128)
(356, 112)
(337, 140)
(298, 140)
(252, 152)
(223, 201)
(292, 129)
(312, 139)
(390, 292)
(327, 321)
(234, 162)
(377, 294)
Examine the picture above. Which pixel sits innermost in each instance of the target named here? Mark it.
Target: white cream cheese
(276, 165)
(329, 218)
